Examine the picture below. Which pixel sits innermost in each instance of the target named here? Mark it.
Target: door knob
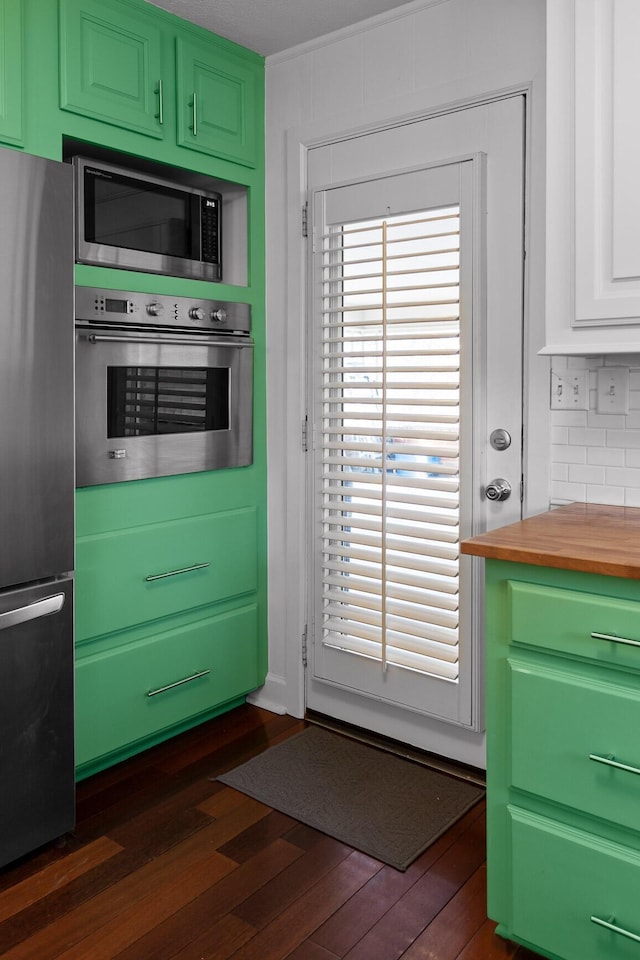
(498, 490)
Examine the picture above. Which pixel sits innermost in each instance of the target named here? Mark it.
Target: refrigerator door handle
(41, 608)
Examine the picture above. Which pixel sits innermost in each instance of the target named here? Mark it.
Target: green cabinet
(123, 63)
(167, 627)
(130, 696)
(111, 64)
(161, 569)
(563, 760)
(217, 101)
(11, 71)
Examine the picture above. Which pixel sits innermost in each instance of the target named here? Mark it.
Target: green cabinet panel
(564, 620)
(132, 576)
(217, 97)
(110, 64)
(128, 694)
(11, 71)
(563, 878)
(553, 738)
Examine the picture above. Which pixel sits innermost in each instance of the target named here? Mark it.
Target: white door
(415, 359)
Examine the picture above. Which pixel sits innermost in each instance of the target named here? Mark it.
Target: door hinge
(522, 491)
(304, 645)
(305, 219)
(305, 435)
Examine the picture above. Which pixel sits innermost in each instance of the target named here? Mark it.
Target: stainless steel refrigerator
(36, 502)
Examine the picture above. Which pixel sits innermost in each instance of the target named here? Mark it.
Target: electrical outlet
(612, 390)
(570, 389)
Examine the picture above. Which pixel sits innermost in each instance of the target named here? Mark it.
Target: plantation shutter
(390, 386)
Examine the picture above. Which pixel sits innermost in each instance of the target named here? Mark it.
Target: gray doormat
(383, 805)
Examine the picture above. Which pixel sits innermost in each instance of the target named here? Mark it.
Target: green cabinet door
(574, 893)
(110, 64)
(217, 100)
(11, 66)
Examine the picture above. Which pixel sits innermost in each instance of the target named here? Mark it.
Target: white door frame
(284, 688)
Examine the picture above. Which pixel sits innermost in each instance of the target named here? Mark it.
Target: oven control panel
(124, 308)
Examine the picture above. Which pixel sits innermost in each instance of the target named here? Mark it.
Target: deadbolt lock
(500, 439)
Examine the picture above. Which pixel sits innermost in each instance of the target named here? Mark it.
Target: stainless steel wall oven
(164, 385)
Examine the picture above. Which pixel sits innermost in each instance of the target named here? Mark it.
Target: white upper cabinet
(593, 187)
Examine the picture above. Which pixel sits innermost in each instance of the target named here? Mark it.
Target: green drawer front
(113, 706)
(563, 877)
(558, 721)
(564, 620)
(112, 570)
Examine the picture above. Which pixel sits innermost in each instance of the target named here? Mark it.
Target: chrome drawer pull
(615, 928)
(605, 636)
(160, 113)
(175, 573)
(612, 762)
(178, 683)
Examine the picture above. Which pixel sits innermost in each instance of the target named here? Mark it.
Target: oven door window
(146, 401)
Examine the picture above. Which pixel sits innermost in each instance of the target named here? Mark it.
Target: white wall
(384, 69)
(595, 458)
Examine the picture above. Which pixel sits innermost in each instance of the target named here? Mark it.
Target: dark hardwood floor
(165, 862)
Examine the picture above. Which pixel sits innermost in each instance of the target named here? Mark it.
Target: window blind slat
(390, 439)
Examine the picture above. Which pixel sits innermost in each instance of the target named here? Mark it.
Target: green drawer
(129, 577)
(561, 879)
(559, 720)
(130, 693)
(564, 621)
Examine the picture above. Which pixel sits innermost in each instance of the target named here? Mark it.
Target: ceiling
(269, 26)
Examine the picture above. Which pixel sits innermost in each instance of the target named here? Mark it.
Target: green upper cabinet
(117, 66)
(217, 97)
(11, 67)
(110, 64)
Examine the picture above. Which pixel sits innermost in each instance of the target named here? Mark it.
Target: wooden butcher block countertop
(590, 537)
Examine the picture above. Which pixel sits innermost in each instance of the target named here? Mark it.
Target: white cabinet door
(593, 200)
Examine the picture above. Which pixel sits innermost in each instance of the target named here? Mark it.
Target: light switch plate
(570, 389)
(612, 391)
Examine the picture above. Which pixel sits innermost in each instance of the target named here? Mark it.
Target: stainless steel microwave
(134, 221)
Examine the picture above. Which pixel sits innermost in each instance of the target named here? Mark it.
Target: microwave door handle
(176, 341)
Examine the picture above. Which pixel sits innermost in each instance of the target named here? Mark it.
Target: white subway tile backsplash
(586, 437)
(569, 491)
(610, 495)
(608, 457)
(623, 438)
(632, 420)
(623, 477)
(609, 421)
(569, 418)
(581, 363)
(579, 473)
(596, 457)
(559, 471)
(561, 453)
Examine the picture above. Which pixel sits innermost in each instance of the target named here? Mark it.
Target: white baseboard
(271, 696)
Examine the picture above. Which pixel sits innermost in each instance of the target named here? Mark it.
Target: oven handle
(178, 341)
